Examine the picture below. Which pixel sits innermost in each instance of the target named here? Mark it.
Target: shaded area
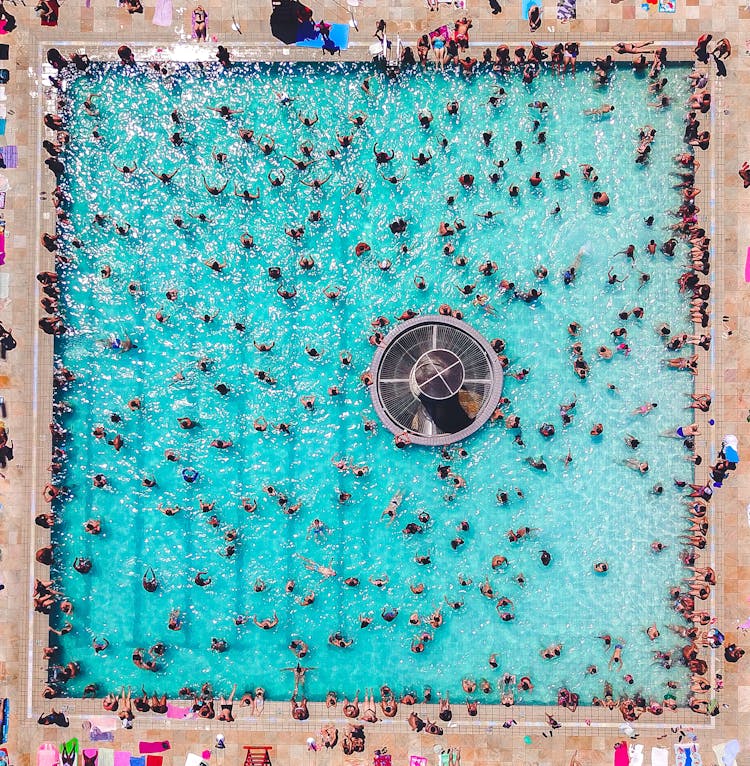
(292, 21)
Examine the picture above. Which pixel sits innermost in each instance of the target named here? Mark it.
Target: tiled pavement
(27, 391)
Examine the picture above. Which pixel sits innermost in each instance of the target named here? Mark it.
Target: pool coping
(584, 717)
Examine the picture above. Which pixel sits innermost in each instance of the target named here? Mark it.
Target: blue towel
(137, 760)
(339, 35)
(526, 7)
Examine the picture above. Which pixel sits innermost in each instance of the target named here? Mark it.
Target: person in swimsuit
(149, 581)
(438, 46)
(616, 658)
(299, 709)
(200, 17)
(225, 705)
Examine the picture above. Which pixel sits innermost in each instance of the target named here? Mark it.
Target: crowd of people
(696, 626)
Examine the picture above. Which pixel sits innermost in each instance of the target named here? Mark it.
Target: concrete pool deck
(481, 740)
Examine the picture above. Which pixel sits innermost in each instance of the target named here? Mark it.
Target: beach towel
(163, 13)
(51, 13)
(138, 760)
(176, 711)
(4, 757)
(686, 754)
(69, 753)
(47, 754)
(4, 702)
(106, 757)
(96, 735)
(621, 754)
(90, 756)
(635, 753)
(726, 752)
(191, 759)
(566, 10)
(526, 7)
(667, 6)
(153, 747)
(122, 758)
(730, 446)
(443, 32)
(104, 722)
(659, 756)
(339, 36)
(417, 760)
(154, 760)
(457, 3)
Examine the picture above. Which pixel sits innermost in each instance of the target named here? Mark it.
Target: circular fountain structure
(435, 378)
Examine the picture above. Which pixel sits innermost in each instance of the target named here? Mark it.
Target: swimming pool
(593, 510)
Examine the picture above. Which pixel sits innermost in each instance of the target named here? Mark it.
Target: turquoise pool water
(595, 509)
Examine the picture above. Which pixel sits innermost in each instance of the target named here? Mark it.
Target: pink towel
(621, 754)
(175, 711)
(122, 758)
(47, 754)
(153, 747)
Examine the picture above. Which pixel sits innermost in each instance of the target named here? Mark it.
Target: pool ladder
(258, 755)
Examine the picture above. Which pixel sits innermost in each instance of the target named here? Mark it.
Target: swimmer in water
(326, 571)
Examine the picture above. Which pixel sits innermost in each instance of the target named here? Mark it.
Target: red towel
(154, 760)
(153, 747)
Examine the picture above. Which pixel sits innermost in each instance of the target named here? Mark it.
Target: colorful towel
(176, 711)
(154, 760)
(566, 10)
(9, 156)
(96, 735)
(50, 13)
(138, 760)
(339, 36)
(621, 754)
(163, 13)
(667, 6)
(687, 754)
(527, 5)
(153, 747)
(47, 754)
(90, 756)
(122, 758)
(726, 752)
(69, 753)
(4, 702)
(104, 722)
(443, 32)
